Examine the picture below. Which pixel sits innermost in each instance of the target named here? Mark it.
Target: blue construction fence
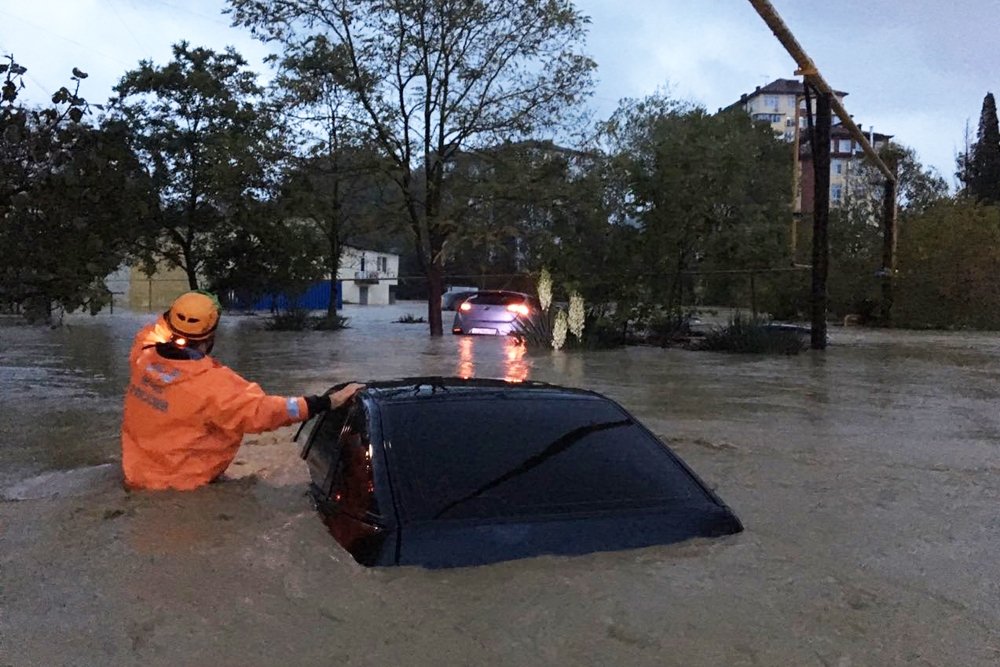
(316, 297)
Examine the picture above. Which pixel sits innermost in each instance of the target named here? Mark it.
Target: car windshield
(493, 299)
(519, 456)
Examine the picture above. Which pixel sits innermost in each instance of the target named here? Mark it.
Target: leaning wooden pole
(821, 220)
(807, 68)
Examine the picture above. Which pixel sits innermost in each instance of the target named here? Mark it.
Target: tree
(71, 193)
(207, 141)
(856, 234)
(949, 257)
(267, 254)
(979, 167)
(709, 194)
(337, 183)
(508, 201)
(436, 77)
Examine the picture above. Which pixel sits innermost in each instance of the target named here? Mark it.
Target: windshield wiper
(557, 446)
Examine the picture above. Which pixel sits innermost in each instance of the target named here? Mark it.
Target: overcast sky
(917, 69)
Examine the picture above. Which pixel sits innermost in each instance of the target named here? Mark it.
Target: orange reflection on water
(466, 363)
(516, 367)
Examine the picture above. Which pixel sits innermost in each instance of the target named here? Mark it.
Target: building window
(771, 102)
(836, 193)
(790, 122)
(383, 264)
(838, 166)
(845, 145)
(769, 117)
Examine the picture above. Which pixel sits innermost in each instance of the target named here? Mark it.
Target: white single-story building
(367, 277)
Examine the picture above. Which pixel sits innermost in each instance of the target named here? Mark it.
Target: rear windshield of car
(496, 299)
(527, 456)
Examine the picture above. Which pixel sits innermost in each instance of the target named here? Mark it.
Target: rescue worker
(186, 413)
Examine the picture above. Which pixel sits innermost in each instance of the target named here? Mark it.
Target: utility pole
(889, 237)
(807, 69)
(821, 219)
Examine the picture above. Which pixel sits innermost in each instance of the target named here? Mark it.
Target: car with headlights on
(494, 313)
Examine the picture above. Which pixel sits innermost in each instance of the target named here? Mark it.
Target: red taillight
(466, 306)
(519, 308)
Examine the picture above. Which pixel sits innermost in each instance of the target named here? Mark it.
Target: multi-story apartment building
(782, 104)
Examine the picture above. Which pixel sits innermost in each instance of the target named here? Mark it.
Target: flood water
(867, 477)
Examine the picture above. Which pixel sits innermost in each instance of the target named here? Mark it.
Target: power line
(30, 78)
(124, 25)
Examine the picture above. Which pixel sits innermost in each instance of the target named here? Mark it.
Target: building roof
(779, 87)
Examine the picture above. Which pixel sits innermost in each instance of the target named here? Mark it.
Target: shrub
(536, 332)
(665, 328)
(748, 335)
(603, 333)
(296, 319)
(410, 319)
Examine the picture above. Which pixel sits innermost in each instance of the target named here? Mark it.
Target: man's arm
(239, 406)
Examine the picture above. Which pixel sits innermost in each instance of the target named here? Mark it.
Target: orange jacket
(185, 418)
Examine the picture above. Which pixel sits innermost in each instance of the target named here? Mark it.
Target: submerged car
(494, 313)
(451, 300)
(446, 472)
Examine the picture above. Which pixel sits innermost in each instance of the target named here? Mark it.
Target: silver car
(493, 313)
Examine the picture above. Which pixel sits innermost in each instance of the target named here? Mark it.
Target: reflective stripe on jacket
(184, 419)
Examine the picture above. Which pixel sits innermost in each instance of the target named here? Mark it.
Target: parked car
(451, 300)
(494, 313)
(446, 472)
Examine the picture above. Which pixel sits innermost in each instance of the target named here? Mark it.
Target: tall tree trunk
(435, 286)
(333, 268)
(192, 279)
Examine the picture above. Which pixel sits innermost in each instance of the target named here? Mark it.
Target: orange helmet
(194, 315)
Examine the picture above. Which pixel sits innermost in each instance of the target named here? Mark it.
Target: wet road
(867, 478)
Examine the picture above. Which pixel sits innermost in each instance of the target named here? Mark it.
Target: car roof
(501, 292)
(442, 386)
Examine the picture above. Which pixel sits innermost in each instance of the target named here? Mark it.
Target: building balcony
(366, 277)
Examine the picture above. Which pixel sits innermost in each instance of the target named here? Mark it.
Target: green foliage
(294, 319)
(209, 145)
(66, 184)
(300, 319)
(666, 328)
(979, 168)
(339, 182)
(856, 233)
(705, 192)
(265, 254)
(949, 260)
(749, 335)
(535, 332)
(603, 332)
(436, 79)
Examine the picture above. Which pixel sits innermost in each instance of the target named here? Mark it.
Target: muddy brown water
(868, 478)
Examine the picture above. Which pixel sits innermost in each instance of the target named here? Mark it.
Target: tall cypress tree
(982, 176)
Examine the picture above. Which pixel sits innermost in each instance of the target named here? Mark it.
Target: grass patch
(410, 319)
(748, 335)
(329, 323)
